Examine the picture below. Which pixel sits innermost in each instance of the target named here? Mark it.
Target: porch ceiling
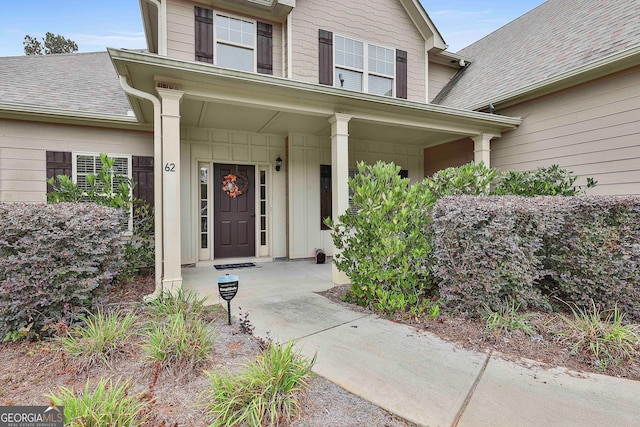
(227, 99)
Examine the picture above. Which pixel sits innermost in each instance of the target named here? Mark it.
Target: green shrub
(607, 339)
(178, 342)
(109, 404)
(543, 181)
(138, 250)
(55, 262)
(265, 393)
(385, 243)
(471, 178)
(100, 337)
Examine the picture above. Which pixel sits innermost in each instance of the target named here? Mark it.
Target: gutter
(104, 119)
(157, 182)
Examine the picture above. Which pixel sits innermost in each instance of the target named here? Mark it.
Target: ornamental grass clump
(266, 392)
(507, 319)
(605, 337)
(108, 404)
(100, 337)
(179, 302)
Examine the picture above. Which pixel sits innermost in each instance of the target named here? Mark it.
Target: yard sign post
(228, 288)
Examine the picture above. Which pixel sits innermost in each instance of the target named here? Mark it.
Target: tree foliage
(51, 44)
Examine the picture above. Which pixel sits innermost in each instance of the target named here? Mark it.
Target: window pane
(349, 53)
(352, 79)
(380, 86)
(235, 30)
(235, 57)
(381, 60)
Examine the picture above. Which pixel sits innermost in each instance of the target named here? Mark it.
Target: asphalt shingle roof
(84, 82)
(556, 37)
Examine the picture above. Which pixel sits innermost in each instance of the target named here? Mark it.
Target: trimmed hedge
(538, 251)
(54, 262)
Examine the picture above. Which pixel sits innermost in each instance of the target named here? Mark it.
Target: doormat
(230, 266)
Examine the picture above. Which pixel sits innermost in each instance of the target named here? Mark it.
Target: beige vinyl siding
(439, 76)
(592, 129)
(381, 22)
(181, 32)
(23, 147)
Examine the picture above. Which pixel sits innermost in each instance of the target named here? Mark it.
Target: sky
(95, 25)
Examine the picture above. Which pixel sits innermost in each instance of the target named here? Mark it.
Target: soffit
(220, 98)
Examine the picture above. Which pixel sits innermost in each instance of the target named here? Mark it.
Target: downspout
(162, 14)
(157, 180)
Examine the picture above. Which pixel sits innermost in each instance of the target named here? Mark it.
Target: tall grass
(180, 302)
(265, 393)
(507, 319)
(100, 338)
(109, 404)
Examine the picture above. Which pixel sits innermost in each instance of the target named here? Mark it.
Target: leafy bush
(471, 178)
(264, 393)
(486, 250)
(138, 250)
(55, 261)
(607, 339)
(109, 404)
(100, 337)
(537, 250)
(385, 244)
(543, 181)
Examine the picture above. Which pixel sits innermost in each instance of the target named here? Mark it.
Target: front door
(234, 224)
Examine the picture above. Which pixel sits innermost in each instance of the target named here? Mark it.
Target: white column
(482, 148)
(340, 178)
(172, 280)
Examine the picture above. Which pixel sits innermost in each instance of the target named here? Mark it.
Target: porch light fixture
(278, 164)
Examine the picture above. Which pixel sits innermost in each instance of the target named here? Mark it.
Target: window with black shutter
(401, 74)
(58, 163)
(325, 59)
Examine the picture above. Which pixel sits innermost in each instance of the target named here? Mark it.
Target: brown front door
(234, 214)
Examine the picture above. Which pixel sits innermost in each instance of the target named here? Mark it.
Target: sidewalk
(412, 374)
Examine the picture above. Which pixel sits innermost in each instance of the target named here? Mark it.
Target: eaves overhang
(82, 118)
(144, 71)
(591, 71)
(425, 25)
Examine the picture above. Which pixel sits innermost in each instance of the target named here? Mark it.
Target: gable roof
(556, 37)
(79, 82)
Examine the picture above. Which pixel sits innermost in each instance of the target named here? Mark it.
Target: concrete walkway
(414, 374)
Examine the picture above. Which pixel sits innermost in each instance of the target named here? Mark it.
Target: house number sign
(170, 167)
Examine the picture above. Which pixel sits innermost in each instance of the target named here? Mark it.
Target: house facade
(243, 119)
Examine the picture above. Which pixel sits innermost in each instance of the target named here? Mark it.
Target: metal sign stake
(228, 288)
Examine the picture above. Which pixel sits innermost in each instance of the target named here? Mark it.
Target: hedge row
(55, 260)
(539, 251)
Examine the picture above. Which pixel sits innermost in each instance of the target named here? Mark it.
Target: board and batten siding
(306, 154)
(381, 22)
(592, 129)
(24, 146)
(181, 33)
(439, 76)
(210, 145)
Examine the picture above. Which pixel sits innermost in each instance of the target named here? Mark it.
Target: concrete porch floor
(413, 374)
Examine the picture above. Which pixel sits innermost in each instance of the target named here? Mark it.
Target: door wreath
(230, 184)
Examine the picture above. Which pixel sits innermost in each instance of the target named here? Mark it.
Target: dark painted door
(234, 211)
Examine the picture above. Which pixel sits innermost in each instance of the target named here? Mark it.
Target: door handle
(252, 213)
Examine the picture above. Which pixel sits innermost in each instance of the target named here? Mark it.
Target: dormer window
(235, 42)
(363, 67)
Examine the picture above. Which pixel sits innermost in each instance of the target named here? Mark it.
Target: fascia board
(602, 67)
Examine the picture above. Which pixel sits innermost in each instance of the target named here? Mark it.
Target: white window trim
(365, 71)
(74, 171)
(253, 48)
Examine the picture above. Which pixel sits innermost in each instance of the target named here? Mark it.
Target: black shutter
(58, 163)
(265, 48)
(142, 174)
(204, 34)
(401, 74)
(325, 195)
(325, 58)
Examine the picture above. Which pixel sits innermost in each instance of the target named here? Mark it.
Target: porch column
(172, 280)
(340, 178)
(482, 148)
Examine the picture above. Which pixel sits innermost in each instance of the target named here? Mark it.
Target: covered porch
(205, 117)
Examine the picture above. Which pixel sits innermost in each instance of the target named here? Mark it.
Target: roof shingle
(83, 82)
(556, 37)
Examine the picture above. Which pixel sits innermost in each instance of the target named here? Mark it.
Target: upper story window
(364, 67)
(235, 42)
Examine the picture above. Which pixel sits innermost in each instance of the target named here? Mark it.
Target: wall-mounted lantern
(278, 164)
